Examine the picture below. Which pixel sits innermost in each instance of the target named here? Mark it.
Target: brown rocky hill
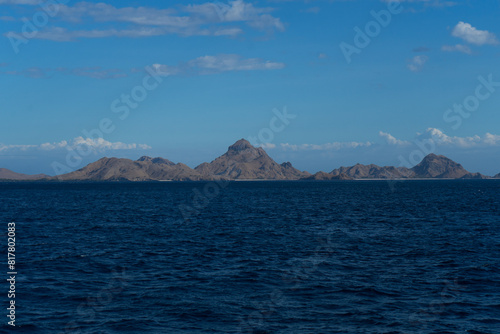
(477, 176)
(144, 169)
(432, 166)
(244, 162)
(6, 174)
(439, 166)
(322, 176)
(360, 171)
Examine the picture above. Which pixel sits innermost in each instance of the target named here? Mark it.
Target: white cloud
(53, 146)
(164, 70)
(98, 144)
(314, 10)
(335, 146)
(436, 135)
(103, 145)
(232, 62)
(207, 19)
(491, 139)
(428, 3)
(456, 48)
(440, 138)
(391, 140)
(417, 63)
(472, 35)
(59, 34)
(20, 2)
(91, 72)
(16, 147)
(217, 64)
(199, 66)
(267, 146)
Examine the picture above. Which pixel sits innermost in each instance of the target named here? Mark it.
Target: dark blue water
(255, 257)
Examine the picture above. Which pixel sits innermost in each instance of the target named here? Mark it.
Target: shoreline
(235, 180)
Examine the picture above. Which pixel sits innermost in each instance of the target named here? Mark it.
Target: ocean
(254, 257)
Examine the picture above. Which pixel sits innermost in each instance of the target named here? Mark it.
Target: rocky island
(242, 161)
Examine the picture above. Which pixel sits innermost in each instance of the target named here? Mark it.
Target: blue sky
(185, 80)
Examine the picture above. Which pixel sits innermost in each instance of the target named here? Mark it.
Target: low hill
(6, 174)
(360, 171)
(144, 169)
(322, 176)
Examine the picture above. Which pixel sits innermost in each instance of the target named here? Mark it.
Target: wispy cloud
(417, 63)
(206, 19)
(428, 3)
(314, 10)
(440, 138)
(20, 2)
(199, 66)
(391, 140)
(457, 48)
(90, 72)
(98, 144)
(473, 35)
(267, 146)
(217, 64)
(60, 34)
(335, 146)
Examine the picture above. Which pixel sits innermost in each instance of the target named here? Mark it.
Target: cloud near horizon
(98, 144)
(391, 140)
(95, 72)
(334, 146)
(438, 136)
(442, 139)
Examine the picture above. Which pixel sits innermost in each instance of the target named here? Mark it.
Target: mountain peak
(439, 166)
(244, 161)
(240, 145)
(432, 156)
(156, 160)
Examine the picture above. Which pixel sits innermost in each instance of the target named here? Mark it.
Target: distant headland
(242, 161)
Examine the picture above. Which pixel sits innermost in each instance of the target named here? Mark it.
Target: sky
(321, 84)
